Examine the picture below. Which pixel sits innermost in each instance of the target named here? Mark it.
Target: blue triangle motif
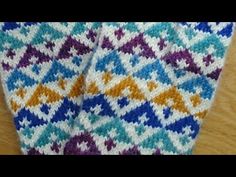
(57, 70)
(133, 115)
(102, 63)
(145, 72)
(19, 76)
(179, 126)
(201, 82)
(98, 100)
(30, 117)
(62, 112)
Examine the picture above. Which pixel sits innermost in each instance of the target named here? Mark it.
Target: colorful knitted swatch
(42, 69)
(149, 87)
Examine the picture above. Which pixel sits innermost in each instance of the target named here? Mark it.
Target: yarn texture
(42, 70)
(113, 87)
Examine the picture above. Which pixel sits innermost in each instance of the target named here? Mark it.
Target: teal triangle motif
(190, 33)
(161, 136)
(78, 124)
(213, 40)
(114, 24)
(184, 140)
(96, 25)
(71, 122)
(24, 31)
(140, 129)
(46, 30)
(64, 23)
(131, 27)
(93, 118)
(7, 39)
(23, 145)
(45, 137)
(157, 29)
(79, 28)
(28, 132)
(115, 124)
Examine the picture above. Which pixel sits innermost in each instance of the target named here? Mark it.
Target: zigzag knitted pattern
(144, 88)
(149, 87)
(42, 70)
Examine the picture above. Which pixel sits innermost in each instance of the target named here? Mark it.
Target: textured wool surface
(42, 69)
(111, 88)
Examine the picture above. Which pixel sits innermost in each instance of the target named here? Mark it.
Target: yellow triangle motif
(106, 77)
(127, 83)
(173, 95)
(92, 88)
(201, 114)
(196, 100)
(14, 105)
(62, 83)
(78, 88)
(151, 86)
(43, 91)
(21, 93)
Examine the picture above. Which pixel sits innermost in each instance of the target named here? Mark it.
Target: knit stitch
(42, 70)
(149, 87)
(111, 88)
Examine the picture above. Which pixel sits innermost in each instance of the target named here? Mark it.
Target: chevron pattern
(122, 88)
(149, 87)
(42, 67)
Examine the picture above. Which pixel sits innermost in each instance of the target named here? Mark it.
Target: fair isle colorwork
(42, 69)
(149, 87)
(145, 88)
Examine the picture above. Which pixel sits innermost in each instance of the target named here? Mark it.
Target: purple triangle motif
(78, 46)
(215, 74)
(106, 43)
(173, 58)
(138, 41)
(29, 54)
(6, 66)
(131, 151)
(72, 147)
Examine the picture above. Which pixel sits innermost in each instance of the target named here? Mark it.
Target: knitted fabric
(149, 87)
(42, 69)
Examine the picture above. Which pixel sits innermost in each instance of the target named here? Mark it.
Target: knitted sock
(42, 70)
(149, 87)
